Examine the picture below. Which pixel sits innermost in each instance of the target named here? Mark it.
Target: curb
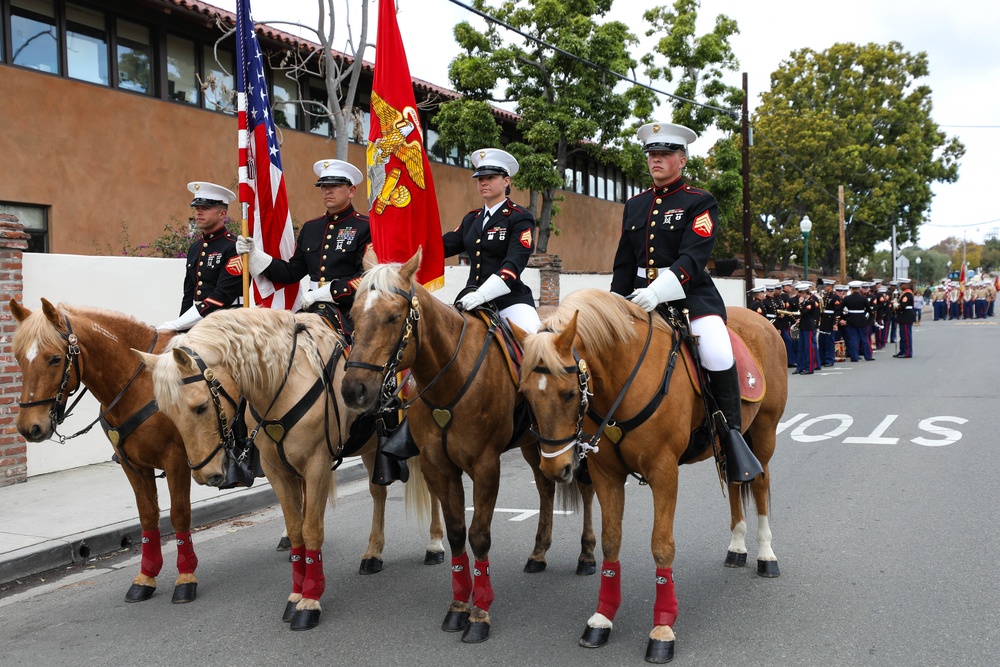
(80, 547)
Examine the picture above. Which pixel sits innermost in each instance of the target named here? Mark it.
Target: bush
(174, 242)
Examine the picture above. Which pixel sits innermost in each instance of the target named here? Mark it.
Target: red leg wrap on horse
(610, 596)
(461, 579)
(187, 561)
(298, 568)
(665, 607)
(152, 556)
(315, 582)
(482, 592)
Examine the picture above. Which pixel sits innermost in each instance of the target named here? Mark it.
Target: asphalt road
(884, 517)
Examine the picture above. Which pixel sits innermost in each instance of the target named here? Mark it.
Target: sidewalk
(66, 517)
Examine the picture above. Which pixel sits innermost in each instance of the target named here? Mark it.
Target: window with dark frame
(86, 44)
(35, 220)
(135, 57)
(34, 38)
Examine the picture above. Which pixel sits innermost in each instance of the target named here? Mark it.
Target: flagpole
(245, 232)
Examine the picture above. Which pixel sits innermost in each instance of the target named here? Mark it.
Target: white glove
(188, 319)
(259, 260)
(489, 290)
(321, 294)
(666, 287)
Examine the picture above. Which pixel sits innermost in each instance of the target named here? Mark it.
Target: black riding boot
(741, 465)
(391, 455)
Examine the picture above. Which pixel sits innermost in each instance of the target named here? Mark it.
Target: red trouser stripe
(482, 592)
(461, 578)
(665, 607)
(314, 583)
(610, 596)
(298, 568)
(152, 556)
(187, 561)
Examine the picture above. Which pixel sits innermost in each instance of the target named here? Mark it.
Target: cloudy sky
(964, 67)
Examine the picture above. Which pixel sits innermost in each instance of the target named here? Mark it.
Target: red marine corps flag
(404, 211)
(262, 182)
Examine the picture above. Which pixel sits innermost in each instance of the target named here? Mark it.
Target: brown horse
(59, 349)
(286, 366)
(576, 370)
(461, 420)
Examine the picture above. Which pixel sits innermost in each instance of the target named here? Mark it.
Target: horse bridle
(227, 439)
(389, 368)
(583, 380)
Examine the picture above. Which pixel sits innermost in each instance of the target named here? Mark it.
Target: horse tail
(568, 496)
(416, 493)
(746, 497)
(332, 498)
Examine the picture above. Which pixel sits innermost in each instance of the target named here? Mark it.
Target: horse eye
(55, 361)
(569, 395)
(393, 318)
(200, 410)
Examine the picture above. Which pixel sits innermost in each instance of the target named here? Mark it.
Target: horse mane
(252, 344)
(37, 328)
(382, 278)
(605, 321)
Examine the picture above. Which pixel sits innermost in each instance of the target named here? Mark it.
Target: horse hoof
(534, 566)
(659, 651)
(595, 637)
(584, 569)
(455, 621)
(284, 544)
(476, 633)
(305, 619)
(370, 566)
(184, 593)
(139, 593)
(286, 616)
(433, 558)
(768, 568)
(734, 559)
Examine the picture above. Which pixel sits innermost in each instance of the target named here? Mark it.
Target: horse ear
(52, 315)
(370, 259)
(564, 341)
(519, 333)
(149, 360)
(19, 312)
(412, 264)
(183, 360)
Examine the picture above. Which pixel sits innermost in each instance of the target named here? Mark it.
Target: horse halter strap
(227, 440)
(388, 369)
(583, 378)
(59, 411)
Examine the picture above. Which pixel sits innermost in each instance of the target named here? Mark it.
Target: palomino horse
(285, 366)
(599, 342)
(61, 348)
(462, 421)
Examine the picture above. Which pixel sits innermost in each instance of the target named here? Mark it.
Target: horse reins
(227, 440)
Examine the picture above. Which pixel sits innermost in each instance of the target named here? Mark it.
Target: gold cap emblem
(326, 163)
(656, 128)
(482, 155)
(197, 186)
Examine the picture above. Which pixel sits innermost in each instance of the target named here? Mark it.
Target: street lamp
(806, 226)
(918, 272)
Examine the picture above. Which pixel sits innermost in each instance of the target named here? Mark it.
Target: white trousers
(714, 345)
(523, 316)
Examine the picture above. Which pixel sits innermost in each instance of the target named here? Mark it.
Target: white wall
(150, 289)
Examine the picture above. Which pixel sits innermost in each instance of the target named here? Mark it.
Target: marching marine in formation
(809, 314)
(667, 237)
(907, 316)
(856, 317)
(213, 277)
(828, 329)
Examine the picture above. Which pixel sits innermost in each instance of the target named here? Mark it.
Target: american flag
(262, 182)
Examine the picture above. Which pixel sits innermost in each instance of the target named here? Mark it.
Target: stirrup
(742, 467)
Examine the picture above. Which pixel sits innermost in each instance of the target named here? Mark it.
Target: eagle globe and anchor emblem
(384, 189)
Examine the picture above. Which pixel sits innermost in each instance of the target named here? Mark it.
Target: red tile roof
(212, 12)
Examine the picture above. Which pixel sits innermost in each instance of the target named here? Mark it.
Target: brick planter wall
(549, 267)
(13, 450)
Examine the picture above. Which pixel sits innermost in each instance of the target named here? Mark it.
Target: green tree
(852, 115)
(565, 105)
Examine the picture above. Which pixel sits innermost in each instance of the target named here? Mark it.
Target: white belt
(641, 272)
(828, 312)
(856, 312)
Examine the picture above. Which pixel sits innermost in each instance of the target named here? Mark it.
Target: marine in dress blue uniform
(667, 237)
(809, 315)
(906, 316)
(857, 314)
(213, 277)
(330, 248)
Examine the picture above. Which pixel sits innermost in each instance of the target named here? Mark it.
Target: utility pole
(843, 237)
(747, 245)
